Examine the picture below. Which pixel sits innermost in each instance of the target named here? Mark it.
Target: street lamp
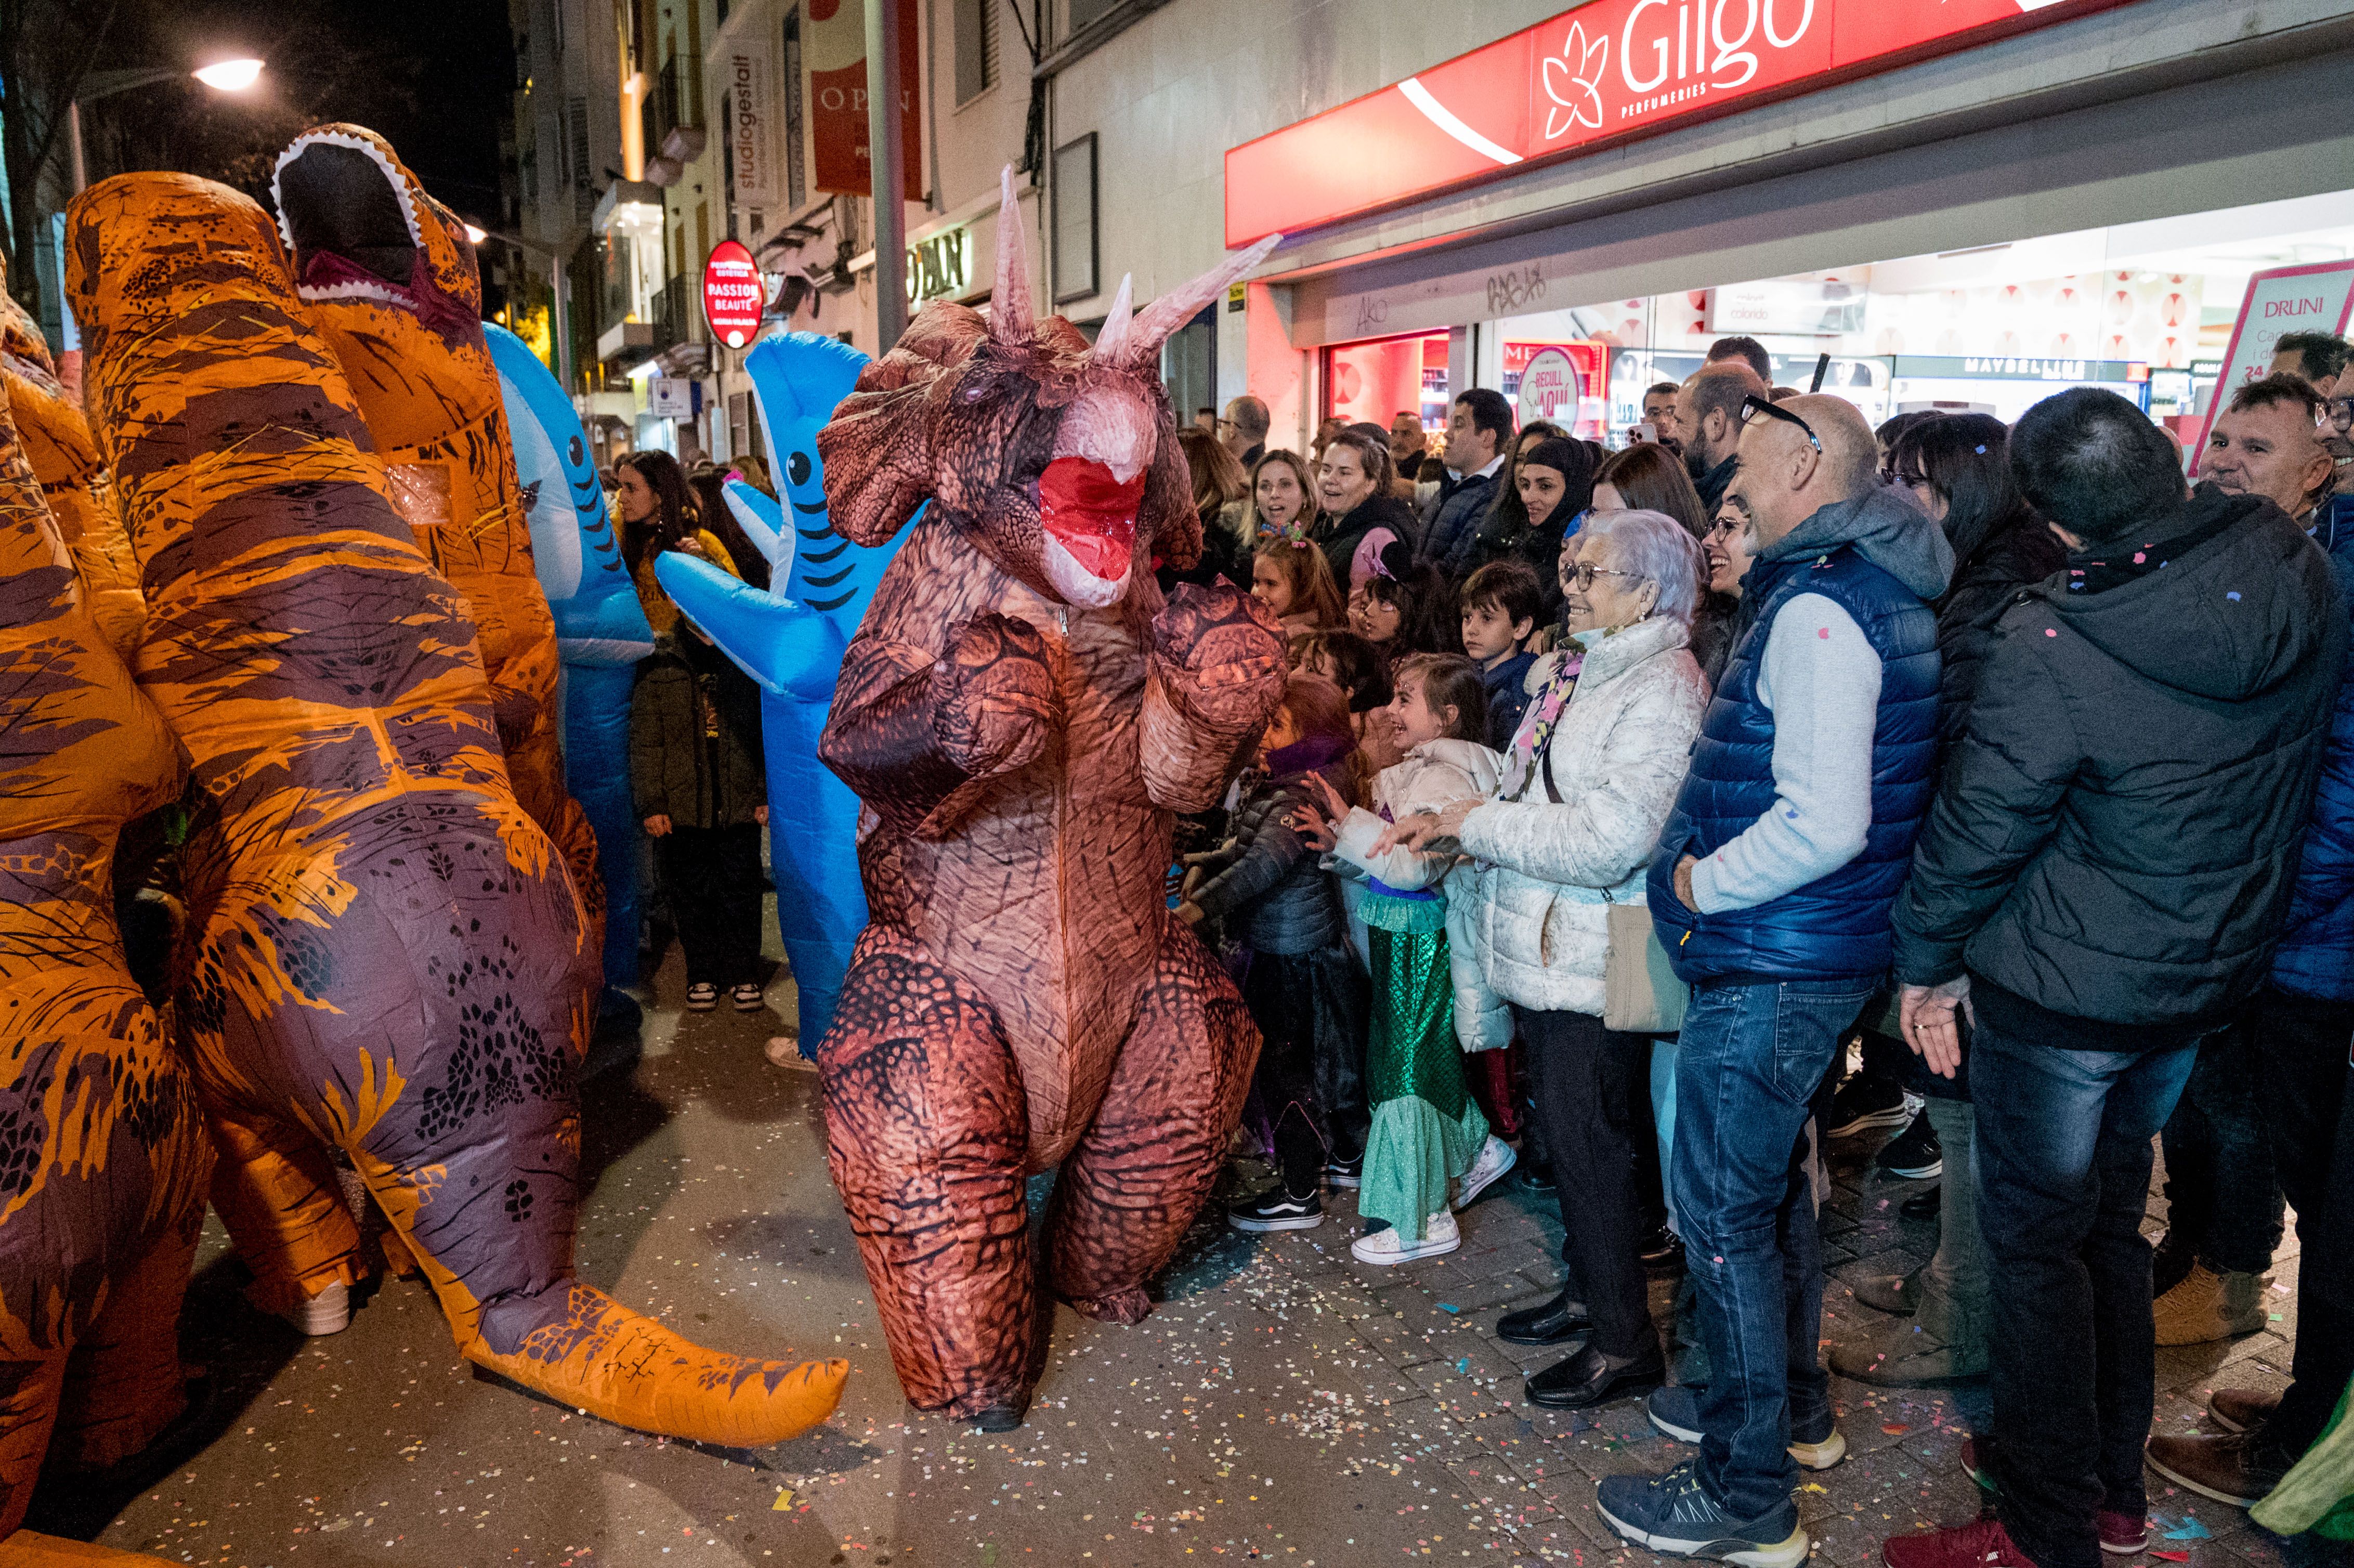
(222, 76)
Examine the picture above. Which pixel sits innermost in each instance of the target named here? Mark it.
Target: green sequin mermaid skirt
(1427, 1128)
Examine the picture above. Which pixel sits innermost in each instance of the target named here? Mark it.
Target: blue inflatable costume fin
(791, 640)
(600, 630)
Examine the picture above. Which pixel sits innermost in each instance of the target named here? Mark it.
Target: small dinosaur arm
(74, 480)
(600, 627)
(1023, 715)
(387, 956)
(102, 1184)
(387, 279)
(791, 639)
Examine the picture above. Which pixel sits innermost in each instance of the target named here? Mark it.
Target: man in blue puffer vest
(1771, 891)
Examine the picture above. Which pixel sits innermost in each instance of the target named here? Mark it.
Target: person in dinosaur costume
(386, 954)
(791, 639)
(74, 480)
(600, 627)
(388, 280)
(1023, 716)
(103, 1156)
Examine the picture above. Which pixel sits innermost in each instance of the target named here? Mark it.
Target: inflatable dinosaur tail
(387, 956)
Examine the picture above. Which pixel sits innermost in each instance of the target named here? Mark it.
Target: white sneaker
(1496, 1156)
(328, 1313)
(1438, 1235)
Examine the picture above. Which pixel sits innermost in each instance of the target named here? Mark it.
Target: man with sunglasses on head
(1771, 893)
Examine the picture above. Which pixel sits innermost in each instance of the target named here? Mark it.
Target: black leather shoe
(1557, 1321)
(1589, 1377)
(1924, 1205)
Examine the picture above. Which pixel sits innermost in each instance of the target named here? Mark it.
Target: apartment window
(1075, 220)
(976, 47)
(584, 193)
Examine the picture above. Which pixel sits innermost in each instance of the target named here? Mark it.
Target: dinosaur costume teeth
(102, 1178)
(386, 955)
(1021, 730)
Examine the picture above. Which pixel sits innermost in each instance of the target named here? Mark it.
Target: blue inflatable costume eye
(601, 629)
(791, 639)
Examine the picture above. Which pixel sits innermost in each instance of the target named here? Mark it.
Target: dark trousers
(2301, 1047)
(713, 878)
(1311, 1011)
(1748, 1066)
(2062, 1167)
(2222, 1199)
(1586, 1080)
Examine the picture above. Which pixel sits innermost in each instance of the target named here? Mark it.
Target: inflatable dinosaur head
(361, 228)
(1057, 459)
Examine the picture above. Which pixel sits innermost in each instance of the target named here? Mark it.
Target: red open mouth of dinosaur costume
(1091, 516)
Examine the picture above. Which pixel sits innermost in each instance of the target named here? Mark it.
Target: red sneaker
(2123, 1533)
(1985, 1544)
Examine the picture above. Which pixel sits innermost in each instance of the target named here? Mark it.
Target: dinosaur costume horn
(386, 953)
(1010, 319)
(1138, 345)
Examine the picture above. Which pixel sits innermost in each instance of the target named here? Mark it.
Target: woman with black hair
(1526, 527)
(710, 487)
(658, 513)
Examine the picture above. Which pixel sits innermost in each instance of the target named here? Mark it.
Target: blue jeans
(1750, 1059)
(2063, 1167)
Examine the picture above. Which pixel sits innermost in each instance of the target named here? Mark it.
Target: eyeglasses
(1909, 481)
(1725, 528)
(1753, 406)
(1583, 574)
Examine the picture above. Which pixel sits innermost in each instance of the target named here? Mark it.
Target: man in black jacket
(2098, 889)
(1708, 424)
(1478, 432)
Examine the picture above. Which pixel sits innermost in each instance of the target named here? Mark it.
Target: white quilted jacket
(1537, 918)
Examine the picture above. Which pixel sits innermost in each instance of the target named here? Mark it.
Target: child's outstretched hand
(1326, 799)
(1410, 831)
(1314, 829)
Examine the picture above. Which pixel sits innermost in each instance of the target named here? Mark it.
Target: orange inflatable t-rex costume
(1023, 716)
(74, 480)
(103, 1156)
(386, 955)
(386, 276)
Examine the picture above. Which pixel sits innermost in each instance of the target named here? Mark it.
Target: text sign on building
(835, 44)
(756, 182)
(2313, 297)
(732, 293)
(669, 398)
(940, 268)
(1606, 71)
(1550, 388)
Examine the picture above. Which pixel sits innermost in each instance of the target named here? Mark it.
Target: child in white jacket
(1426, 1128)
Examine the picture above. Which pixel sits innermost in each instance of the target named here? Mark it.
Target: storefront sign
(732, 294)
(1607, 72)
(1791, 307)
(750, 127)
(669, 398)
(2014, 367)
(1550, 388)
(835, 44)
(2317, 297)
(939, 268)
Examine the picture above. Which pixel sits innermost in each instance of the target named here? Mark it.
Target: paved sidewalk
(1284, 1403)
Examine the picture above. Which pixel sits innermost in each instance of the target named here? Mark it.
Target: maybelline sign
(1608, 70)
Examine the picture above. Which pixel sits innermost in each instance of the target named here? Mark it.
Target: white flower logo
(1570, 82)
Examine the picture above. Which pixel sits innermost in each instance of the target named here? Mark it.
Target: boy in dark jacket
(700, 782)
(1501, 602)
(2080, 888)
(1304, 987)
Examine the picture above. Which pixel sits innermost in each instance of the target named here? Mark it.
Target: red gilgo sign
(732, 293)
(1605, 72)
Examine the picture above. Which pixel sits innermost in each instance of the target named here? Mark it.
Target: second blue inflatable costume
(791, 639)
(600, 630)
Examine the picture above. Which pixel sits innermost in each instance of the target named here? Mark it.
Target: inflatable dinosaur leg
(926, 1127)
(277, 1193)
(27, 1550)
(1142, 1168)
(29, 1413)
(125, 1383)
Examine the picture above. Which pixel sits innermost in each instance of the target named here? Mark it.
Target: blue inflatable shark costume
(791, 639)
(600, 630)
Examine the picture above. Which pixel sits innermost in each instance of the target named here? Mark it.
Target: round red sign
(732, 293)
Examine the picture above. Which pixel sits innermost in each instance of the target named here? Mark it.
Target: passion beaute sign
(1605, 72)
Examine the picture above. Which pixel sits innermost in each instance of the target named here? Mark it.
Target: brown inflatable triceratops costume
(1023, 716)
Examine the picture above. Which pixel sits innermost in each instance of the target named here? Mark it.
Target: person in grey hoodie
(1770, 892)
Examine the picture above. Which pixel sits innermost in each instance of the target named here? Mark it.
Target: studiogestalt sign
(1604, 72)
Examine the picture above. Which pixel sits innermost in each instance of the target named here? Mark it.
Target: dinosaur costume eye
(797, 468)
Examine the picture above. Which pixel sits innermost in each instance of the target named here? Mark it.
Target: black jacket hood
(2231, 618)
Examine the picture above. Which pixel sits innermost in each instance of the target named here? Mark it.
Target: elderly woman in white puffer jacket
(1592, 773)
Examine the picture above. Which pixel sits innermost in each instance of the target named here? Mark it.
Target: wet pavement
(1283, 1403)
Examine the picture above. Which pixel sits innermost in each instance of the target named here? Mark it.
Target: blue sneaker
(1671, 1515)
(1674, 1412)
